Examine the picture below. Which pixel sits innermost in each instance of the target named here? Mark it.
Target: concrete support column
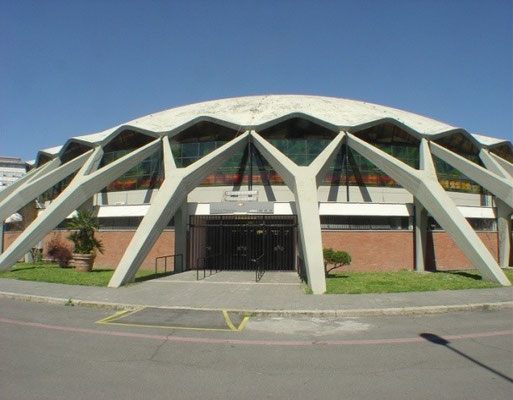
(421, 222)
(310, 229)
(492, 164)
(1, 237)
(161, 211)
(504, 232)
(181, 219)
(493, 179)
(171, 196)
(423, 184)
(34, 187)
(29, 177)
(89, 180)
(303, 182)
(421, 215)
(506, 165)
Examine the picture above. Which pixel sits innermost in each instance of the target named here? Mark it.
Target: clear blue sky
(76, 67)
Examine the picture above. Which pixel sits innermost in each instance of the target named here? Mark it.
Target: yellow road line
(110, 317)
(118, 315)
(243, 323)
(170, 327)
(231, 325)
(229, 321)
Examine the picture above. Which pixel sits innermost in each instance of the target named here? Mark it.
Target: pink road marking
(250, 342)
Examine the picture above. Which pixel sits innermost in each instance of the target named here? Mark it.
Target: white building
(267, 182)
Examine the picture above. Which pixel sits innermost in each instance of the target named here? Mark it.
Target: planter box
(82, 262)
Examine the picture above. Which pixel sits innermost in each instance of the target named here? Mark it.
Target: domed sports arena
(266, 182)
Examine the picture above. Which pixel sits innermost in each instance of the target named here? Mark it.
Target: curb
(364, 312)
(66, 302)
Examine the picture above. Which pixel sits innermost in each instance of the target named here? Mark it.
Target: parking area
(201, 320)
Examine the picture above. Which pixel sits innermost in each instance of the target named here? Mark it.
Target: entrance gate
(242, 242)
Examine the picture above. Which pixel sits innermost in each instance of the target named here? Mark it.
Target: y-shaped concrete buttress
(503, 210)
(421, 215)
(39, 184)
(494, 165)
(489, 179)
(303, 182)
(504, 214)
(423, 184)
(85, 184)
(493, 178)
(172, 194)
(29, 177)
(508, 167)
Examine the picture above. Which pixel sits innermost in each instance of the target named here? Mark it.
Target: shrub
(335, 258)
(58, 250)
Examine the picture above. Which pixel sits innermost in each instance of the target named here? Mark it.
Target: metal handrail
(204, 269)
(259, 273)
(173, 256)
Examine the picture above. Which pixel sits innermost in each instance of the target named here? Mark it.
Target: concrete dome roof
(255, 112)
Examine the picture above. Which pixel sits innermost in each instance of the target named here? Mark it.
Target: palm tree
(83, 226)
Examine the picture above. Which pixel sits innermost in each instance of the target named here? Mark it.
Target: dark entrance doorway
(238, 242)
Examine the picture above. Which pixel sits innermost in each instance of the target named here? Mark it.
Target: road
(58, 352)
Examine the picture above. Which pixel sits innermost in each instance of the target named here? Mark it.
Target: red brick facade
(369, 250)
(373, 250)
(443, 254)
(394, 250)
(115, 244)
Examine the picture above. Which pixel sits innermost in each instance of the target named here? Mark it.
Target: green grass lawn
(406, 281)
(342, 283)
(55, 274)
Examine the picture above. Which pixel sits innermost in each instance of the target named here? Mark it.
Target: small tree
(83, 226)
(335, 259)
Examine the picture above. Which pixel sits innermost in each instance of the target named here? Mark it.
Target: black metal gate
(242, 242)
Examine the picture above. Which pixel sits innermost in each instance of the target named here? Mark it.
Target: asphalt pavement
(57, 352)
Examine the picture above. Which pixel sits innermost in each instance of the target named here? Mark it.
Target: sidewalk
(277, 293)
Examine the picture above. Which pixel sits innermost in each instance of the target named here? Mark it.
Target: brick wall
(373, 250)
(114, 243)
(370, 250)
(118, 241)
(443, 254)
(394, 250)
(10, 237)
